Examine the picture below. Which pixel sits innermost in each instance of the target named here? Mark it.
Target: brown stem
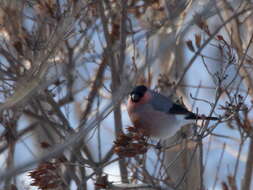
(249, 166)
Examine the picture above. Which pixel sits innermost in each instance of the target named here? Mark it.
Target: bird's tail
(193, 116)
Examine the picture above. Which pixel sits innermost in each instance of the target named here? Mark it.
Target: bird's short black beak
(135, 97)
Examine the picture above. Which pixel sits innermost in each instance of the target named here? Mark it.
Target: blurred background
(67, 66)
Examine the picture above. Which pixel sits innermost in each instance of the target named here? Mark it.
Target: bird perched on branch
(156, 113)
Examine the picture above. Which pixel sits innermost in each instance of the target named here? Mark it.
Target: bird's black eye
(135, 97)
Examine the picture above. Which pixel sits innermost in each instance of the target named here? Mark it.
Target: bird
(158, 114)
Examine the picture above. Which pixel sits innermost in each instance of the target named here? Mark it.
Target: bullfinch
(156, 113)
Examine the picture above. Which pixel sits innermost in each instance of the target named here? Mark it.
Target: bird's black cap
(141, 89)
(138, 92)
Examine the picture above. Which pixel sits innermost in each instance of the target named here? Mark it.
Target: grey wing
(160, 102)
(164, 104)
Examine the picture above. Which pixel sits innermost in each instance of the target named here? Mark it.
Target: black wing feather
(178, 109)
